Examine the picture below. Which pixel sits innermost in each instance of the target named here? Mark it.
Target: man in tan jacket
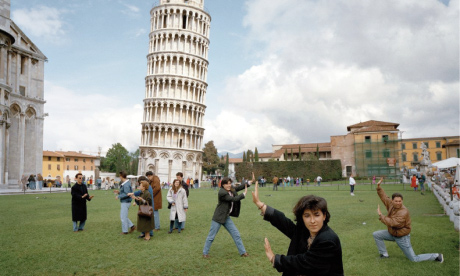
(157, 199)
(399, 226)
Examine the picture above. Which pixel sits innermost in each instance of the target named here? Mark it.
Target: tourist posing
(228, 205)
(180, 176)
(125, 203)
(80, 195)
(144, 224)
(399, 227)
(315, 248)
(177, 197)
(158, 201)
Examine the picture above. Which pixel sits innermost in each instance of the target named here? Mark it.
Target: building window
(426, 144)
(76, 167)
(404, 157)
(91, 167)
(458, 153)
(84, 160)
(84, 168)
(76, 159)
(414, 145)
(438, 155)
(386, 153)
(59, 159)
(22, 90)
(68, 167)
(23, 65)
(367, 139)
(438, 144)
(368, 154)
(49, 158)
(49, 166)
(58, 167)
(384, 138)
(403, 146)
(415, 157)
(67, 159)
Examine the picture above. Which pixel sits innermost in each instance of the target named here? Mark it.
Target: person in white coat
(177, 198)
(352, 185)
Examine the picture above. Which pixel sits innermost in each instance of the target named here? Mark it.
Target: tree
(244, 157)
(300, 154)
(134, 160)
(256, 155)
(210, 157)
(117, 159)
(250, 156)
(226, 166)
(285, 154)
(317, 151)
(292, 155)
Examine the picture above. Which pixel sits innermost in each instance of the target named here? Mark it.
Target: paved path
(29, 192)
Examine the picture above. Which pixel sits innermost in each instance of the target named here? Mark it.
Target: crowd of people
(314, 249)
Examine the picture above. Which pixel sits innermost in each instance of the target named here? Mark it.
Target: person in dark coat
(80, 195)
(228, 205)
(315, 248)
(144, 224)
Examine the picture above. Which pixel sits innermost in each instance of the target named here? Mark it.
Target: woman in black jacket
(314, 249)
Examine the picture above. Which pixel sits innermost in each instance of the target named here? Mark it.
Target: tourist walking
(421, 181)
(319, 179)
(179, 205)
(229, 203)
(314, 249)
(80, 195)
(31, 182)
(180, 176)
(125, 203)
(40, 181)
(144, 224)
(24, 182)
(352, 185)
(414, 182)
(398, 223)
(275, 183)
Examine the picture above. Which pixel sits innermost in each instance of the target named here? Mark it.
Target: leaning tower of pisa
(175, 89)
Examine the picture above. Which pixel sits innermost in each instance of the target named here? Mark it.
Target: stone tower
(175, 90)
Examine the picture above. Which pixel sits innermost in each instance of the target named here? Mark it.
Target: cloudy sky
(291, 71)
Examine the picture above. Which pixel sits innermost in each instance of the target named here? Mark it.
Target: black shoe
(440, 258)
(384, 257)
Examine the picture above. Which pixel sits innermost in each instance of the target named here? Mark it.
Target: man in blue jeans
(125, 201)
(398, 223)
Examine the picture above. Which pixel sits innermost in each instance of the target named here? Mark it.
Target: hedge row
(327, 169)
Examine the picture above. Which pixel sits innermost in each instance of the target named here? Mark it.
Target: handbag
(145, 211)
(169, 205)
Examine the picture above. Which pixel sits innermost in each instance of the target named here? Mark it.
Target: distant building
(439, 148)
(69, 163)
(21, 102)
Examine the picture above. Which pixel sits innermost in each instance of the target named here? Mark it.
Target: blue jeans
(157, 219)
(125, 221)
(32, 185)
(76, 227)
(176, 224)
(231, 228)
(40, 185)
(403, 243)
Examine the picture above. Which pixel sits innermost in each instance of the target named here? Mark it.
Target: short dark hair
(310, 202)
(180, 174)
(76, 176)
(148, 173)
(142, 178)
(396, 195)
(122, 174)
(225, 180)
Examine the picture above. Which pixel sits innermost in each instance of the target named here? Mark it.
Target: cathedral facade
(175, 90)
(21, 102)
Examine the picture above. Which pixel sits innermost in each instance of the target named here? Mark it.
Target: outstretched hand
(378, 210)
(380, 181)
(255, 195)
(268, 251)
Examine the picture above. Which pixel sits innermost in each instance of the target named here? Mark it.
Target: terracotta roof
(309, 145)
(375, 129)
(452, 143)
(76, 154)
(52, 154)
(372, 123)
(265, 155)
(235, 160)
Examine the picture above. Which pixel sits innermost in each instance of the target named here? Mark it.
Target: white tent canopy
(448, 163)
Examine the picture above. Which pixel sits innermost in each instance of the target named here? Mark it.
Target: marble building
(175, 89)
(21, 102)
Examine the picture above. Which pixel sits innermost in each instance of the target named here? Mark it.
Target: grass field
(36, 236)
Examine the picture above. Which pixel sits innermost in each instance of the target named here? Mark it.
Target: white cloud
(41, 21)
(86, 122)
(325, 65)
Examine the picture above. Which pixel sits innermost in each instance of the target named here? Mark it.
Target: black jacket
(79, 203)
(225, 202)
(324, 256)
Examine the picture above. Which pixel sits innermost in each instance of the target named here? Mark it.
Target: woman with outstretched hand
(314, 249)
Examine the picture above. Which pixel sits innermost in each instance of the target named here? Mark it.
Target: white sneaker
(352, 194)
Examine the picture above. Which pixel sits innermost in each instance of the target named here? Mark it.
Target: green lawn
(37, 239)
